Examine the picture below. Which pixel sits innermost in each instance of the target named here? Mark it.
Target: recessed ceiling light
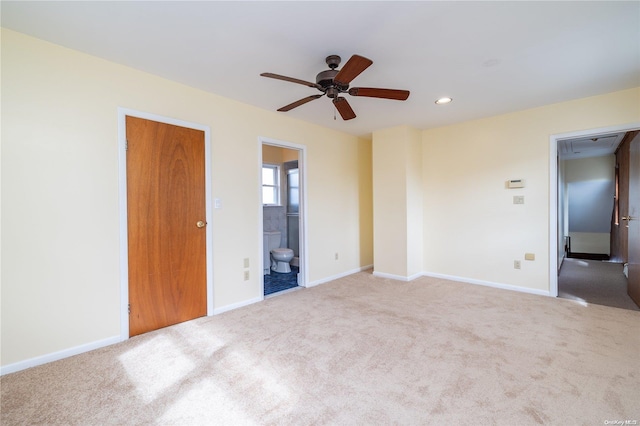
(443, 101)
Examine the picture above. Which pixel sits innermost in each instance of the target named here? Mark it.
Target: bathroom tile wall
(274, 219)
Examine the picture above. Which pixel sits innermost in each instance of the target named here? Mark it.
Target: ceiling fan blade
(344, 108)
(298, 103)
(354, 66)
(290, 79)
(371, 92)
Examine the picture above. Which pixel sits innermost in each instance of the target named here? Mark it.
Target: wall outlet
(246, 262)
(246, 275)
(336, 256)
(518, 199)
(516, 264)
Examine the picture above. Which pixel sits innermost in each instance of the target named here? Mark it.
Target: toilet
(274, 255)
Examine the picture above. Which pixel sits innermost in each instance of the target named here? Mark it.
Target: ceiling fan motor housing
(325, 80)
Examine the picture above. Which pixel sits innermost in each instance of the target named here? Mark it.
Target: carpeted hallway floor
(360, 350)
(595, 282)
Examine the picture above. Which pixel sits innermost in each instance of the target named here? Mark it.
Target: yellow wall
(415, 212)
(276, 155)
(390, 202)
(60, 226)
(271, 154)
(471, 227)
(60, 242)
(398, 216)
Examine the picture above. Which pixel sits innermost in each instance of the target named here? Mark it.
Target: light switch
(217, 203)
(518, 199)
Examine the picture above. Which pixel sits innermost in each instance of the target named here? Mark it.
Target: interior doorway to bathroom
(282, 185)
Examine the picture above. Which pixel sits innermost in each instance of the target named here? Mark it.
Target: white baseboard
(55, 356)
(487, 283)
(341, 275)
(233, 306)
(397, 277)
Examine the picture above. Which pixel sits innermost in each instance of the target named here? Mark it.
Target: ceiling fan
(334, 82)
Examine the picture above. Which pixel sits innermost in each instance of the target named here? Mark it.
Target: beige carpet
(359, 350)
(595, 282)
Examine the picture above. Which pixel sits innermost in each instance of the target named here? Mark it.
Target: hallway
(594, 282)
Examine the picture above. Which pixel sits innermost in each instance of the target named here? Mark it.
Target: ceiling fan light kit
(334, 82)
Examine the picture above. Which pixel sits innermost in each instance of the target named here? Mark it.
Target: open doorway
(588, 263)
(282, 186)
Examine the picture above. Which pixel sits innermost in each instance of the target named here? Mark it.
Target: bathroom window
(270, 185)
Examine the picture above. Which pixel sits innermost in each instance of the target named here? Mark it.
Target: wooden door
(633, 221)
(619, 230)
(167, 244)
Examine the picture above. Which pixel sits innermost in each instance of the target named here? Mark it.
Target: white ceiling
(490, 57)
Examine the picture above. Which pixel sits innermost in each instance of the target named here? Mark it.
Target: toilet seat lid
(281, 250)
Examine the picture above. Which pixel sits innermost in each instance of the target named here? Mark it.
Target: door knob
(201, 224)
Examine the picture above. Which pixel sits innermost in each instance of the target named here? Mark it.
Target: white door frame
(122, 198)
(553, 191)
(302, 167)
